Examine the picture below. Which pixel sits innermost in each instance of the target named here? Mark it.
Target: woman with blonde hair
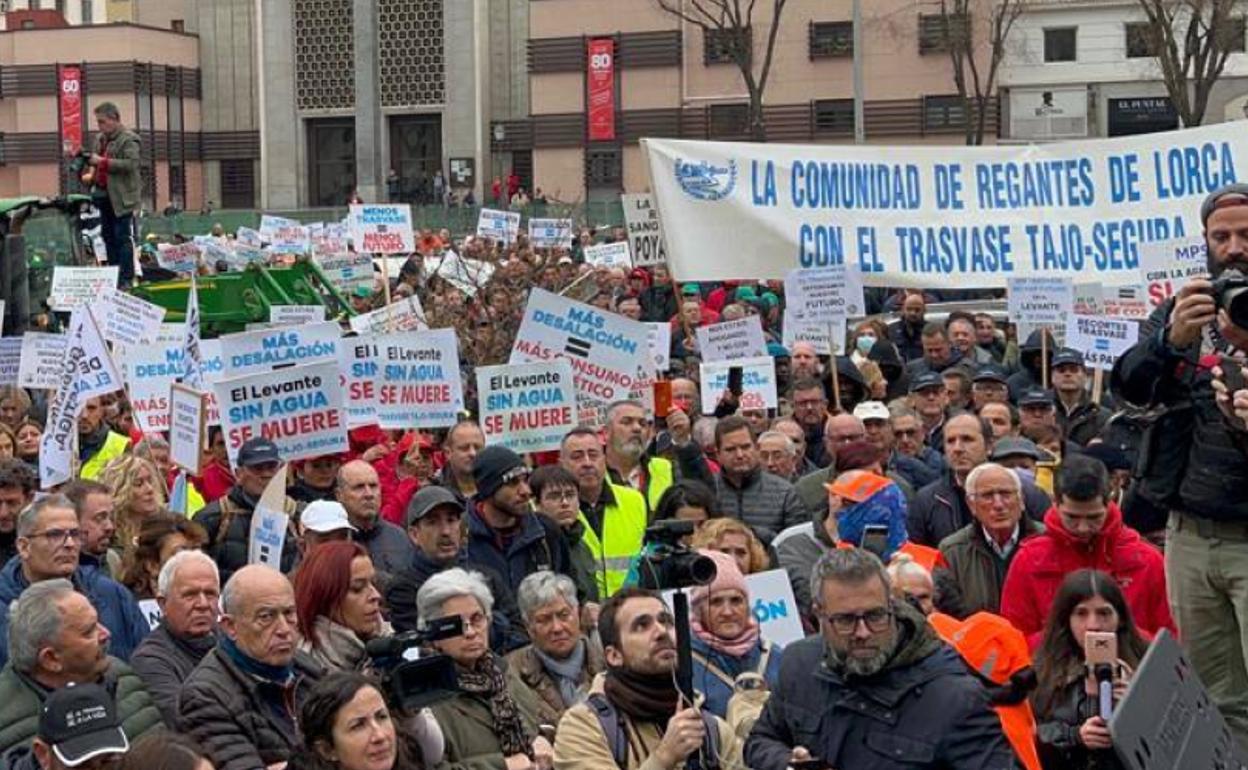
(138, 493)
(734, 538)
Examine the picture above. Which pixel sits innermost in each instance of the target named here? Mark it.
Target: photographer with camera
(1192, 457)
(112, 173)
(1089, 639)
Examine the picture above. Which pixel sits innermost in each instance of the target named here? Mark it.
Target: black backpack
(617, 738)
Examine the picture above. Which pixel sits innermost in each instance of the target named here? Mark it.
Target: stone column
(370, 167)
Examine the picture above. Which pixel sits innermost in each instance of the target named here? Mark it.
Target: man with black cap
(929, 398)
(1080, 419)
(79, 728)
(228, 519)
(990, 385)
(1036, 408)
(1194, 462)
(435, 527)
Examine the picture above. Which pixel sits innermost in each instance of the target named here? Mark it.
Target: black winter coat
(939, 509)
(1057, 733)
(164, 664)
(229, 550)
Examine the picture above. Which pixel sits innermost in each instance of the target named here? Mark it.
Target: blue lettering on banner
(587, 326)
(767, 611)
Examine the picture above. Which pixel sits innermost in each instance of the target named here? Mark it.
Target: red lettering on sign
(551, 417)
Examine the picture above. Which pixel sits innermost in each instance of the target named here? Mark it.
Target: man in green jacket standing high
(114, 178)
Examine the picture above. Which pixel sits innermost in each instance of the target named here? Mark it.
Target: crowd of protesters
(954, 515)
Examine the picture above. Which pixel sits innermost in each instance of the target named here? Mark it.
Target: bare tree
(1192, 40)
(730, 24)
(975, 79)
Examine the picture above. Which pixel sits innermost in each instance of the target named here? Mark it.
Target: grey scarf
(567, 672)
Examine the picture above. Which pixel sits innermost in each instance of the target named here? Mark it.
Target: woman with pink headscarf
(726, 640)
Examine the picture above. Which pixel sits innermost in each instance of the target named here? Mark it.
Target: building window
(938, 32)
(1059, 44)
(331, 160)
(238, 184)
(1236, 35)
(604, 168)
(831, 39)
(834, 116)
(943, 112)
(719, 46)
(88, 12)
(1141, 40)
(729, 120)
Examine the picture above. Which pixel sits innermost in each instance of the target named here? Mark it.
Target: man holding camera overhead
(1194, 457)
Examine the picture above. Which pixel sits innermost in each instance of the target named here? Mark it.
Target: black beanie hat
(494, 467)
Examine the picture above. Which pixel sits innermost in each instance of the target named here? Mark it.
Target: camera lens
(702, 570)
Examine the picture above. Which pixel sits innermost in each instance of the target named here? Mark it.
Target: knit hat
(728, 577)
(495, 467)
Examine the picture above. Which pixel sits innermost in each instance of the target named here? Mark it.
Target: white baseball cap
(871, 410)
(325, 516)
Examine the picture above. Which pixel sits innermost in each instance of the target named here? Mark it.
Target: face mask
(865, 344)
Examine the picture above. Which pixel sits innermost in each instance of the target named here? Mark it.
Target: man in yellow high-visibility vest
(630, 459)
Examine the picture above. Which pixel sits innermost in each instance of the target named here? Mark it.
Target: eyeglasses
(57, 537)
(566, 496)
(847, 622)
(912, 432)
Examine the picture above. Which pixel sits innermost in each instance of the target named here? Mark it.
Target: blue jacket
(714, 689)
(119, 612)
(538, 545)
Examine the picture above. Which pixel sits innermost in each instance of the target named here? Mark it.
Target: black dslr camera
(671, 565)
(1230, 291)
(413, 683)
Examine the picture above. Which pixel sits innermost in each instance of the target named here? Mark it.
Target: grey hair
(789, 446)
(447, 585)
(30, 514)
(108, 110)
(903, 565)
(897, 411)
(704, 430)
(972, 478)
(848, 565)
(541, 588)
(35, 621)
(169, 572)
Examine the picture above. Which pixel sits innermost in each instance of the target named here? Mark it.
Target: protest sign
(609, 255)
(659, 341)
(248, 237)
(936, 217)
(260, 351)
(758, 383)
(290, 239)
(127, 319)
(299, 408)
(188, 423)
(1168, 266)
(825, 294)
(1125, 301)
(420, 386)
(73, 287)
(10, 359)
(178, 257)
(608, 352)
(1101, 340)
(466, 275)
(1040, 301)
(270, 224)
(357, 360)
(269, 521)
(499, 225)
(773, 605)
(382, 228)
(550, 233)
(730, 340)
(42, 358)
(151, 369)
(347, 272)
(527, 407)
(402, 316)
(823, 335)
(295, 315)
(1087, 298)
(192, 358)
(150, 609)
(645, 231)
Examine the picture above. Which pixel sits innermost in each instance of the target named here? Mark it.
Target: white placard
(260, 351)
(1125, 301)
(299, 408)
(773, 605)
(660, 344)
(178, 257)
(1101, 340)
(269, 225)
(357, 360)
(731, 340)
(1168, 266)
(347, 272)
(151, 613)
(527, 407)
(825, 294)
(420, 385)
(10, 359)
(609, 353)
(1088, 298)
(1040, 301)
(816, 333)
(127, 319)
(609, 255)
(187, 427)
(382, 228)
(269, 521)
(645, 231)
(499, 225)
(296, 315)
(402, 316)
(151, 369)
(290, 239)
(550, 233)
(42, 358)
(758, 383)
(467, 275)
(76, 286)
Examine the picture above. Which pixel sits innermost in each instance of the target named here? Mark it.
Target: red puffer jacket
(1044, 561)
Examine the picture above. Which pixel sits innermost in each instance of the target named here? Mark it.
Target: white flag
(193, 376)
(88, 372)
(268, 524)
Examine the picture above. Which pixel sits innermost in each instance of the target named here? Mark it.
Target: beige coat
(581, 745)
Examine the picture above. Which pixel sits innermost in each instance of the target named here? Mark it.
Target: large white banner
(936, 217)
(260, 351)
(299, 408)
(419, 386)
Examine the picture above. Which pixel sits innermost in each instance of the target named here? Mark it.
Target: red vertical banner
(601, 61)
(69, 77)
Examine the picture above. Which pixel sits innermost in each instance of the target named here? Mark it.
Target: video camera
(412, 683)
(1230, 292)
(670, 564)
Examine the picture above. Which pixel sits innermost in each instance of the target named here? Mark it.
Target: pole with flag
(193, 366)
